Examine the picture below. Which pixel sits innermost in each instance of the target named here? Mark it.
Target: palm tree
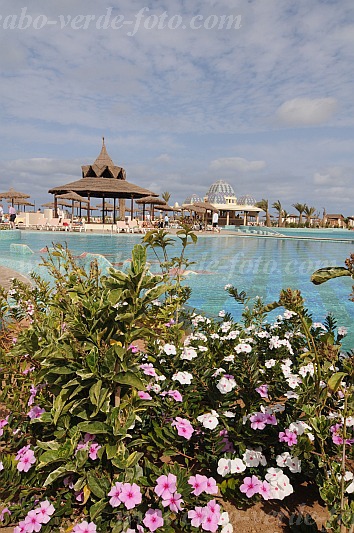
(277, 206)
(300, 208)
(285, 215)
(166, 196)
(263, 204)
(309, 211)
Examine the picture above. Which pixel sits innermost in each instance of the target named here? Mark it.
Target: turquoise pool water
(260, 266)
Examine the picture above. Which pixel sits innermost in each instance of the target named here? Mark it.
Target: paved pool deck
(6, 274)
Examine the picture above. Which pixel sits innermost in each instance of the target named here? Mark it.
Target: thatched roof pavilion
(103, 179)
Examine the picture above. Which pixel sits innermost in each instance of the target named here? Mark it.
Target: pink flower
(270, 419)
(262, 391)
(197, 515)
(153, 519)
(198, 483)
(258, 421)
(133, 348)
(5, 511)
(25, 461)
(45, 511)
(175, 395)
(35, 412)
(288, 436)
(93, 450)
(3, 423)
(212, 516)
(85, 527)
(166, 485)
(264, 490)
(211, 487)
(130, 495)
(21, 528)
(144, 395)
(148, 369)
(184, 427)
(250, 486)
(115, 493)
(174, 501)
(33, 522)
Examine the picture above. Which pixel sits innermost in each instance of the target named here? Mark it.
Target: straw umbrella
(152, 200)
(74, 197)
(24, 203)
(13, 195)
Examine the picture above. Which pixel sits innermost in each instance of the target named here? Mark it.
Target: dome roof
(221, 187)
(246, 200)
(218, 191)
(192, 199)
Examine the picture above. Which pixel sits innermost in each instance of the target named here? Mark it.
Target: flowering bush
(126, 413)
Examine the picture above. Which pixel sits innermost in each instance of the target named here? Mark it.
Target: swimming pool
(260, 266)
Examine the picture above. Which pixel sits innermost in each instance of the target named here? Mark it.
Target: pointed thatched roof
(103, 167)
(102, 188)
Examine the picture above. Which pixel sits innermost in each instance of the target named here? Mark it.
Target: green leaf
(95, 392)
(98, 486)
(97, 508)
(61, 471)
(129, 378)
(50, 456)
(94, 428)
(324, 274)
(335, 381)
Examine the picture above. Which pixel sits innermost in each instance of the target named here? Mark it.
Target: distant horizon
(259, 94)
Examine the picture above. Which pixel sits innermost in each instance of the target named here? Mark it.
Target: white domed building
(233, 211)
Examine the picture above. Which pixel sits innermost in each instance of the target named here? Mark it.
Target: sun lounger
(121, 226)
(37, 221)
(53, 224)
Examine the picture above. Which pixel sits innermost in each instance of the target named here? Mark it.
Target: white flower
(293, 381)
(291, 394)
(270, 363)
(225, 327)
(298, 427)
(229, 358)
(294, 465)
(318, 325)
(350, 421)
(185, 378)
(233, 334)
(224, 519)
(226, 385)
(214, 336)
(224, 467)
(282, 459)
(169, 349)
(349, 476)
(307, 369)
(254, 458)
(228, 286)
(221, 313)
(228, 528)
(243, 347)
(237, 465)
(263, 334)
(342, 331)
(289, 314)
(229, 414)
(189, 353)
(202, 348)
(209, 420)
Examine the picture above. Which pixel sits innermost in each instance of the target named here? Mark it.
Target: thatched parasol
(152, 200)
(24, 203)
(107, 206)
(13, 195)
(193, 207)
(74, 197)
(206, 205)
(103, 188)
(51, 205)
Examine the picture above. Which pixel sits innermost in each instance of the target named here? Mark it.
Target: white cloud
(237, 164)
(307, 111)
(163, 158)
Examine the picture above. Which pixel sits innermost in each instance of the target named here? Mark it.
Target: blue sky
(266, 104)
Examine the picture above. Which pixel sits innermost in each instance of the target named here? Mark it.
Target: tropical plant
(309, 212)
(300, 208)
(166, 196)
(277, 206)
(263, 204)
(137, 419)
